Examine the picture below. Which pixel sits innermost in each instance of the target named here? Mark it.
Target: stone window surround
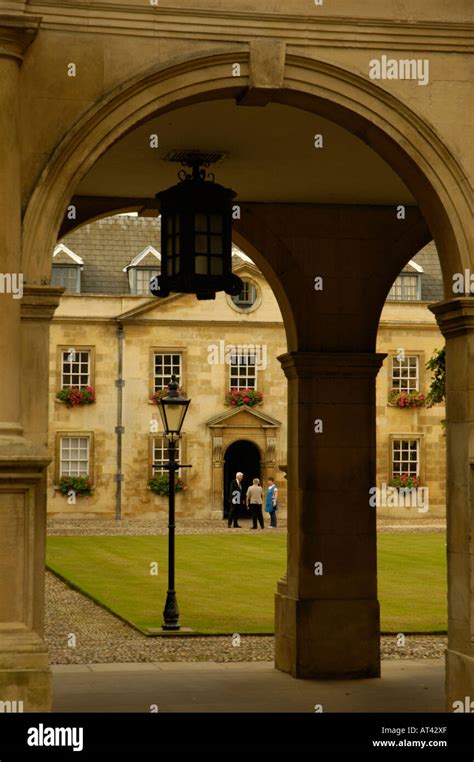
(180, 454)
(257, 377)
(421, 452)
(79, 348)
(57, 452)
(157, 350)
(422, 378)
(258, 299)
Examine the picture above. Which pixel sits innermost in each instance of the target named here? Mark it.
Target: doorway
(240, 456)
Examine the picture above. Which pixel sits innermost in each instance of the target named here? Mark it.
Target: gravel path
(100, 637)
(64, 527)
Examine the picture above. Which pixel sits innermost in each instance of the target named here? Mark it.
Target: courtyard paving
(405, 686)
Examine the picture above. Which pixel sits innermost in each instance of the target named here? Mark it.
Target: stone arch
(399, 135)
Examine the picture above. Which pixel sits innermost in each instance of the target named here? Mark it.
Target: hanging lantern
(196, 236)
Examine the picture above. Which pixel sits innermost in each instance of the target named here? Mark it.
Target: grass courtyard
(226, 583)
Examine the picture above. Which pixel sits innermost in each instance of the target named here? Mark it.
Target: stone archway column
(327, 623)
(24, 673)
(456, 321)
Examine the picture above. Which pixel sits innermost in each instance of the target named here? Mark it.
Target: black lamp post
(173, 408)
(196, 236)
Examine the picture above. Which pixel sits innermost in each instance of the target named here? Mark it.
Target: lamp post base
(171, 612)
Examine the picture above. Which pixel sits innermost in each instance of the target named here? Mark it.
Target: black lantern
(196, 236)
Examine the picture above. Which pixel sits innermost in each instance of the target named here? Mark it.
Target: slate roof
(108, 245)
(431, 279)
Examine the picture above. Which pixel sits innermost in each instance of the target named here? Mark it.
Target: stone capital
(455, 316)
(40, 302)
(331, 364)
(16, 34)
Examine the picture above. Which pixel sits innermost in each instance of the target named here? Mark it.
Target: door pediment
(243, 417)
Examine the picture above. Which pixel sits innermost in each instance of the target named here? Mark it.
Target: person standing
(235, 500)
(255, 502)
(271, 503)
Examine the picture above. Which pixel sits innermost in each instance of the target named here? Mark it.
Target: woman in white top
(255, 502)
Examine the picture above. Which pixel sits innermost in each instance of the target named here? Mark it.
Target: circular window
(248, 299)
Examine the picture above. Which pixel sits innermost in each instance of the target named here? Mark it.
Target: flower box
(159, 484)
(239, 397)
(406, 399)
(74, 396)
(404, 481)
(81, 485)
(155, 398)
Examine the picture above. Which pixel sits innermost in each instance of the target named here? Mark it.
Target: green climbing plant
(437, 390)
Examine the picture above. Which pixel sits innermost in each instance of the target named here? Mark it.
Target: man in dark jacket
(235, 499)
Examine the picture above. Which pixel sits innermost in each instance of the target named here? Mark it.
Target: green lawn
(226, 583)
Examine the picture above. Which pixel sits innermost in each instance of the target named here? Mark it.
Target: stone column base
(459, 678)
(327, 639)
(25, 677)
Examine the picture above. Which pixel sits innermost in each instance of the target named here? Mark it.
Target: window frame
(59, 435)
(65, 266)
(410, 437)
(408, 356)
(403, 297)
(255, 305)
(59, 362)
(182, 351)
(180, 455)
(232, 386)
(132, 278)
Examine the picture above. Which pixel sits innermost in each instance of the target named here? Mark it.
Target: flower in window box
(81, 485)
(406, 399)
(405, 481)
(158, 395)
(159, 484)
(76, 395)
(238, 397)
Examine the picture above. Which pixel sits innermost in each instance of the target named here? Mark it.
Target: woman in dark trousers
(255, 501)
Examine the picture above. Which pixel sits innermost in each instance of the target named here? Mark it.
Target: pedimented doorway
(240, 456)
(248, 440)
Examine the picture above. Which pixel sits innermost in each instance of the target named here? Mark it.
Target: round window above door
(249, 298)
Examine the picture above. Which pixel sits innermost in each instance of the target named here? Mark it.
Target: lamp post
(173, 408)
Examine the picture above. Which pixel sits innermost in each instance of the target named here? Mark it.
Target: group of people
(254, 501)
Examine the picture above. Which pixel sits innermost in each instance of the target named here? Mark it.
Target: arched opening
(243, 456)
(412, 149)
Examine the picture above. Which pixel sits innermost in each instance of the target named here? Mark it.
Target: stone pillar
(24, 672)
(327, 623)
(456, 321)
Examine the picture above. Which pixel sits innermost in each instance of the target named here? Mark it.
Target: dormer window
(66, 269)
(407, 287)
(142, 269)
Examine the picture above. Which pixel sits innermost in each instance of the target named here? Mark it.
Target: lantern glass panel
(201, 244)
(216, 266)
(216, 223)
(176, 265)
(201, 265)
(169, 267)
(216, 244)
(200, 223)
(176, 245)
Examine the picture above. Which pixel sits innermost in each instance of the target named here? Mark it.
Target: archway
(242, 456)
(429, 170)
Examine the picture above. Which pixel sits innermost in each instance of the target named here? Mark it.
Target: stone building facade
(106, 319)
